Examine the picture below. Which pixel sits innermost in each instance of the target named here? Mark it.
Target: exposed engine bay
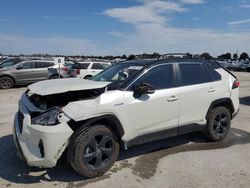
(62, 99)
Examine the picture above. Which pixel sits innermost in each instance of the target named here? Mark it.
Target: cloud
(245, 6)
(192, 1)
(149, 12)
(59, 18)
(15, 44)
(115, 33)
(239, 22)
(154, 37)
(154, 33)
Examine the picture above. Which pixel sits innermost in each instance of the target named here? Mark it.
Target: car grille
(20, 120)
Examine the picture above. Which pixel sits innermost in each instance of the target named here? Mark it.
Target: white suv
(130, 103)
(90, 69)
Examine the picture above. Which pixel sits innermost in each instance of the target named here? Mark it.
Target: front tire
(218, 124)
(92, 151)
(6, 83)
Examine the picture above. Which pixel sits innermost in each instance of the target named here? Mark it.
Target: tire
(6, 82)
(93, 151)
(218, 124)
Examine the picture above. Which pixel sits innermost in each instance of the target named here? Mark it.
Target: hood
(56, 86)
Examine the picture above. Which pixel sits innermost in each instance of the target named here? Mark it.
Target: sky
(116, 27)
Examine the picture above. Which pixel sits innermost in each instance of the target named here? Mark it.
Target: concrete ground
(184, 161)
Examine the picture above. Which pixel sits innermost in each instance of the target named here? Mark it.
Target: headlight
(48, 118)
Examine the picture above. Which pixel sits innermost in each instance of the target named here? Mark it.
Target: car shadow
(14, 170)
(245, 101)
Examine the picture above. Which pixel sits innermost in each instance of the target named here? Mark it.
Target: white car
(130, 103)
(90, 69)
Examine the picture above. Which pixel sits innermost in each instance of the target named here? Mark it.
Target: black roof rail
(175, 55)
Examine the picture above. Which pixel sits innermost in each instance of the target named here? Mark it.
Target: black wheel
(6, 82)
(218, 125)
(92, 151)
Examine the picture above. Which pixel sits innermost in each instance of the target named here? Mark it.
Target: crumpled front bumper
(39, 146)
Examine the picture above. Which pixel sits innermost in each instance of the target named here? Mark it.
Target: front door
(152, 113)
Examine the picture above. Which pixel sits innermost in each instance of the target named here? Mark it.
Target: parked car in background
(90, 69)
(65, 70)
(24, 72)
(9, 62)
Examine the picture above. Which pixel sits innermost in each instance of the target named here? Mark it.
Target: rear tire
(92, 151)
(6, 82)
(218, 124)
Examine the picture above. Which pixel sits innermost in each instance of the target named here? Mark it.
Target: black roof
(150, 62)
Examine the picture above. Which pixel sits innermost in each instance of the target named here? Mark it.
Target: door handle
(212, 90)
(172, 98)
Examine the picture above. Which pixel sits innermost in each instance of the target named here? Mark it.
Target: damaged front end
(41, 130)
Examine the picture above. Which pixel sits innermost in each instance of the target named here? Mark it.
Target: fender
(108, 119)
(226, 102)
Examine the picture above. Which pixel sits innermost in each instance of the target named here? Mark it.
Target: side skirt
(185, 129)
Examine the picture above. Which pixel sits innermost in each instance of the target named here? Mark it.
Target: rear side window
(161, 77)
(211, 74)
(97, 66)
(83, 65)
(28, 65)
(191, 74)
(44, 64)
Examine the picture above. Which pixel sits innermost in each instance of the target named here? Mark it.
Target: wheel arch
(225, 102)
(109, 120)
(10, 76)
(88, 76)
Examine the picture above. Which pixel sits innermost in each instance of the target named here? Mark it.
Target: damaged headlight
(48, 118)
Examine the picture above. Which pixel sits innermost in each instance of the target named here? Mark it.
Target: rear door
(96, 68)
(41, 70)
(196, 93)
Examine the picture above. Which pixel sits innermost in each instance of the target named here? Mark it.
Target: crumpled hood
(49, 87)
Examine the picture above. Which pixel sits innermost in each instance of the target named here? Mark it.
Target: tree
(226, 56)
(244, 56)
(124, 56)
(235, 56)
(206, 56)
(131, 57)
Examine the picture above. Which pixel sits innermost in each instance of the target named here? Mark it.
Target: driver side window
(160, 77)
(28, 65)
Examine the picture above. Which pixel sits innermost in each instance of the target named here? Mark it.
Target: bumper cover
(28, 139)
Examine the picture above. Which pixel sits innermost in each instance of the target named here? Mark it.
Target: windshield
(118, 73)
(9, 63)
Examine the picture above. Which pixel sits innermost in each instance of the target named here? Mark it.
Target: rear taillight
(78, 71)
(65, 69)
(236, 84)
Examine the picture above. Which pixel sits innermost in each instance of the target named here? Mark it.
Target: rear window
(44, 64)
(191, 74)
(83, 65)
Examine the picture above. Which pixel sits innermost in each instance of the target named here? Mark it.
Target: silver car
(25, 72)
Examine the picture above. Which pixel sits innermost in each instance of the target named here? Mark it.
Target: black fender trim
(110, 120)
(226, 102)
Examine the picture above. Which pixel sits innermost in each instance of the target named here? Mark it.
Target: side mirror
(19, 67)
(143, 88)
